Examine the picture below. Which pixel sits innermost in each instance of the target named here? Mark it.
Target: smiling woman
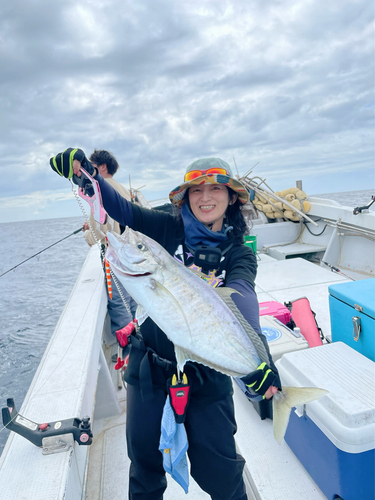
(209, 204)
(213, 197)
(210, 199)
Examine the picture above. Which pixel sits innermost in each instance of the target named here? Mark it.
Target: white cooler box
(334, 437)
(280, 338)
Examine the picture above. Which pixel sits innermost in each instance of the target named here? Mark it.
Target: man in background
(107, 166)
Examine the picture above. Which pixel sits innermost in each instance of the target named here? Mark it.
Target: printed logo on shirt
(210, 278)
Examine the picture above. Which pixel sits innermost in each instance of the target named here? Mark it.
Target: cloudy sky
(284, 84)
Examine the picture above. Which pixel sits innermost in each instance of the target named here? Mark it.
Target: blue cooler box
(352, 311)
(334, 437)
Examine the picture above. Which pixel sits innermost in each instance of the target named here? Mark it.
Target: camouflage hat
(208, 171)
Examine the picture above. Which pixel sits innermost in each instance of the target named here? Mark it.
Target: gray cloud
(286, 83)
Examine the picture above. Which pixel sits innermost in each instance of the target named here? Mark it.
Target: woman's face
(209, 203)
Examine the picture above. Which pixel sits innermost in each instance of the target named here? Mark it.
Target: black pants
(215, 465)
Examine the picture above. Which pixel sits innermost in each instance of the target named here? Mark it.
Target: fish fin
(225, 294)
(283, 403)
(182, 355)
(170, 295)
(197, 273)
(141, 315)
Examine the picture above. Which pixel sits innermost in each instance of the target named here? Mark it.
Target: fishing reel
(53, 437)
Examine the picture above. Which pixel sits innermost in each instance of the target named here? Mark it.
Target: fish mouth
(134, 275)
(122, 263)
(123, 270)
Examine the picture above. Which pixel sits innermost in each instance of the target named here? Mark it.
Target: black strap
(151, 357)
(225, 246)
(162, 362)
(145, 378)
(137, 342)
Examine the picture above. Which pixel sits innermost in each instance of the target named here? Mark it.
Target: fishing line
(117, 286)
(58, 364)
(53, 371)
(102, 253)
(75, 335)
(53, 244)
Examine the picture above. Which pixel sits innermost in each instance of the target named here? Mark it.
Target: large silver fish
(203, 323)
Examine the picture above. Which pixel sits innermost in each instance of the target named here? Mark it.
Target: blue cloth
(173, 445)
(196, 233)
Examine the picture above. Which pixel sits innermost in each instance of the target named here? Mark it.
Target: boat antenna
(235, 164)
(252, 168)
(44, 249)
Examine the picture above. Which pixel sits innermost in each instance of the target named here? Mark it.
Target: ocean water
(33, 295)
(351, 199)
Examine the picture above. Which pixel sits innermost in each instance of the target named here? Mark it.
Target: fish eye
(141, 246)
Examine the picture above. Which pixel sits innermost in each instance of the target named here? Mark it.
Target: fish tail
(284, 402)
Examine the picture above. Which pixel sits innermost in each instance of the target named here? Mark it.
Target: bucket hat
(208, 171)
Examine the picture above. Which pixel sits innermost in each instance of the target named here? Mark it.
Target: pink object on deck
(304, 318)
(275, 309)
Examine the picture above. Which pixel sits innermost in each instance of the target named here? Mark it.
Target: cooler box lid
(347, 414)
(275, 309)
(361, 293)
(280, 338)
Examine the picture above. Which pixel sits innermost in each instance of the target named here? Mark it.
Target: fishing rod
(336, 270)
(53, 244)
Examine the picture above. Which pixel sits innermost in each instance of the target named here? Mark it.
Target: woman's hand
(77, 168)
(63, 162)
(271, 391)
(262, 381)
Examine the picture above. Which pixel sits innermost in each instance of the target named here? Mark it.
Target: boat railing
(64, 387)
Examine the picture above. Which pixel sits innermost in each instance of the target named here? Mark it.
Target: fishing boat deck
(108, 470)
(272, 471)
(73, 378)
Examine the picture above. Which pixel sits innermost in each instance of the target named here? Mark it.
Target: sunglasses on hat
(193, 174)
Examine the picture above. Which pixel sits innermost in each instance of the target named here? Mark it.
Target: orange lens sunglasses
(197, 173)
